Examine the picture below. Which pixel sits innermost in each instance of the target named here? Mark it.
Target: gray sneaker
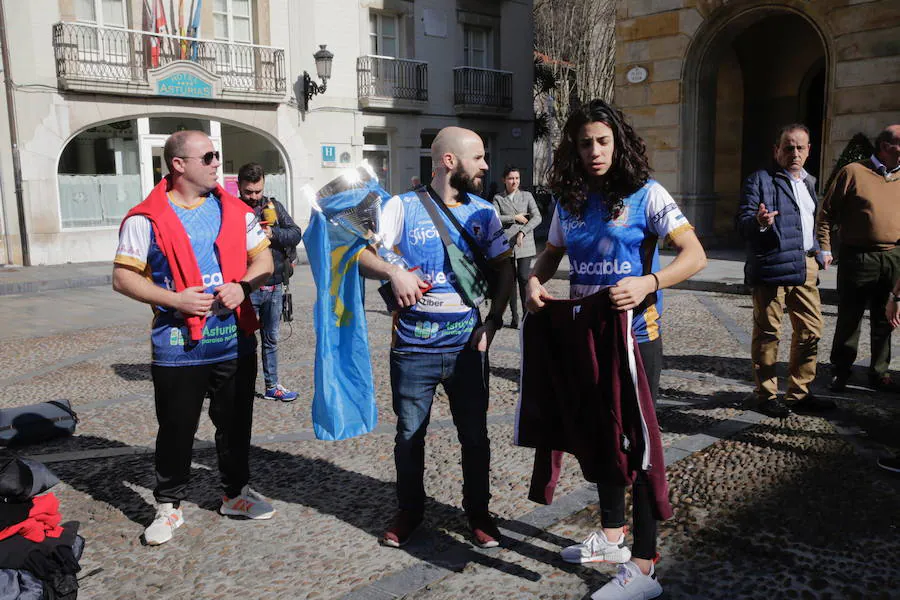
(596, 548)
(630, 584)
(250, 504)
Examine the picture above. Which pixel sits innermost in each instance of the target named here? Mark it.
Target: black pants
(612, 498)
(864, 280)
(522, 269)
(179, 394)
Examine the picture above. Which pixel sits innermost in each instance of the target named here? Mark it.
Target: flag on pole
(344, 398)
(181, 31)
(194, 30)
(162, 26)
(150, 13)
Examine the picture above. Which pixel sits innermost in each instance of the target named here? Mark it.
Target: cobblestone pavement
(763, 508)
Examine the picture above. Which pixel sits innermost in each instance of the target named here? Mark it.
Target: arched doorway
(106, 169)
(746, 75)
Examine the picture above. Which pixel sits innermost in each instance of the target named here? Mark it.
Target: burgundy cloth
(578, 396)
(231, 247)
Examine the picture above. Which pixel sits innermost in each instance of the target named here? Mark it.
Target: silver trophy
(353, 202)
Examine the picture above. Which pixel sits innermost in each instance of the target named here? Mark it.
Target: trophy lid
(349, 179)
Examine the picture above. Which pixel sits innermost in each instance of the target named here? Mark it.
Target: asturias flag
(344, 398)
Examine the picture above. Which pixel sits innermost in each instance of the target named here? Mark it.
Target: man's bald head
(457, 157)
(887, 146)
(456, 141)
(176, 145)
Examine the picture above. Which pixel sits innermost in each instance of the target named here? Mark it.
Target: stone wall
(674, 40)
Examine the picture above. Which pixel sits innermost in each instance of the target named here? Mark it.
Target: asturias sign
(184, 85)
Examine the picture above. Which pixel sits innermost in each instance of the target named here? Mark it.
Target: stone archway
(747, 72)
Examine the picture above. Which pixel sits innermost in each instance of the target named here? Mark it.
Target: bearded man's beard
(463, 183)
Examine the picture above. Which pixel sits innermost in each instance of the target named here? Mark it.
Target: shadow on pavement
(362, 501)
(132, 371)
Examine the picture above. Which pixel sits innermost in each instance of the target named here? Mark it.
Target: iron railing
(89, 52)
(388, 77)
(482, 87)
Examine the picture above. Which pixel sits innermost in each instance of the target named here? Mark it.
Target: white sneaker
(168, 519)
(596, 548)
(249, 504)
(630, 584)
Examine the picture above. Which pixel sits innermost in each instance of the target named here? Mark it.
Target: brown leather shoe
(401, 529)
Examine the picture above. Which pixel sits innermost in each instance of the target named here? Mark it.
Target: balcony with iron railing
(478, 91)
(113, 60)
(393, 84)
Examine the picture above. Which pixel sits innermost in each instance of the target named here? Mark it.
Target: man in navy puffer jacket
(776, 218)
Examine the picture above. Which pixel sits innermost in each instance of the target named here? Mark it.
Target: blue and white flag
(344, 398)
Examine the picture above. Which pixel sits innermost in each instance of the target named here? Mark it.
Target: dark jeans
(612, 498)
(522, 269)
(179, 394)
(268, 308)
(414, 380)
(864, 280)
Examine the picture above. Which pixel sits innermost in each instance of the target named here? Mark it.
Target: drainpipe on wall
(14, 140)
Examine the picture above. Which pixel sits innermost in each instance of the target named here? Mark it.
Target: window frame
(230, 18)
(468, 51)
(378, 34)
(100, 51)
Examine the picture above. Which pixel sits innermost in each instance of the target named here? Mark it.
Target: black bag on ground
(36, 423)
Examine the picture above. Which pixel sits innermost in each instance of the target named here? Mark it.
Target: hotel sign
(185, 79)
(184, 85)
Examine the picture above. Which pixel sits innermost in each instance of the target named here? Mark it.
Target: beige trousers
(804, 307)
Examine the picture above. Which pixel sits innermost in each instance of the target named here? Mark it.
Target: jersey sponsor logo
(661, 214)
(440, 277)
(426, 329)
(420, 235)
(603, 267)
(209, 280)
(570, 223)
(126, 250)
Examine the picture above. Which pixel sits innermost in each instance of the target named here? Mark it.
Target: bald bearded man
(438, 338)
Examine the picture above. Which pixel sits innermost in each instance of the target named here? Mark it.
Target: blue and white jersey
(138, 249)
(602, 251)
(440, 321)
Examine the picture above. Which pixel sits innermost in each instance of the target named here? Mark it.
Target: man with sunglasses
(195, 253)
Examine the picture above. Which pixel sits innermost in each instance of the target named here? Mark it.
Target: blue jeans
(268, 309)
(414, 379)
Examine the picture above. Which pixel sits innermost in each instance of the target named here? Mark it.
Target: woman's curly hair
(629, 170)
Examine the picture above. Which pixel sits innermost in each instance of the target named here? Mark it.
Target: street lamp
(323, 70)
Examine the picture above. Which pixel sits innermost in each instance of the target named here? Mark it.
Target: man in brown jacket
(864, 204)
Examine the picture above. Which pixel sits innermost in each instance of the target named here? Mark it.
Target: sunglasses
(206, 158)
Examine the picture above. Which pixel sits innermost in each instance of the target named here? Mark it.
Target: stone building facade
(708, 82)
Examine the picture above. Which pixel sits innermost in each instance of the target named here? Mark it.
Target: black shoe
(514, 324)
(838, 382)
(882, 383)
(812, 404)
(890, 463)
(774, 408)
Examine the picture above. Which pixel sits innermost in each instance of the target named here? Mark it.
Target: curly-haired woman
(609, 218)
